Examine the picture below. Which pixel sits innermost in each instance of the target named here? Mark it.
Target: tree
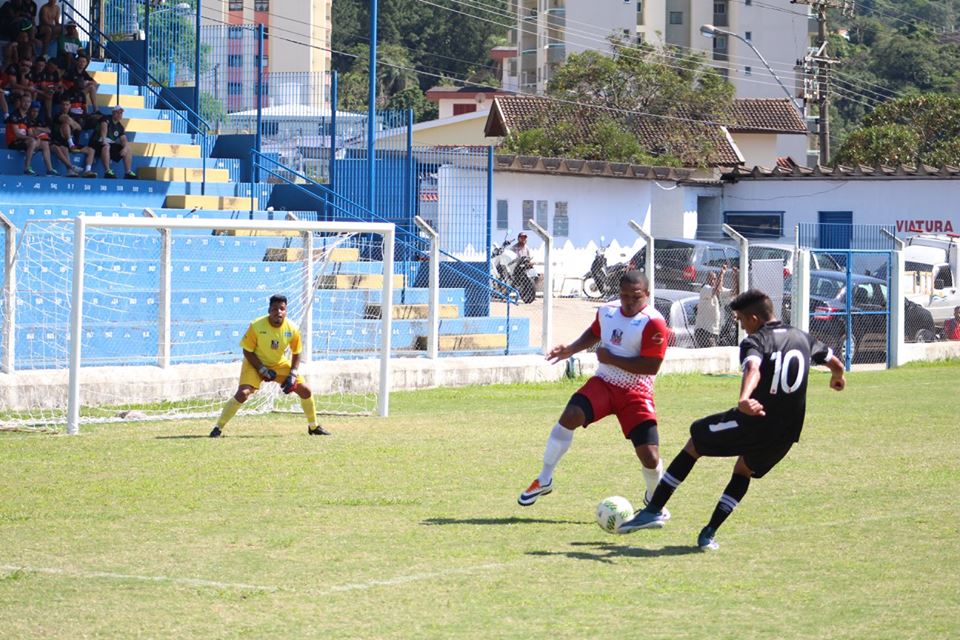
(918, 129)
(605, 108)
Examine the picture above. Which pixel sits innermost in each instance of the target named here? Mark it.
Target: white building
(547, 31)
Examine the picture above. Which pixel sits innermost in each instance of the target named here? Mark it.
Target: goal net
(112, 319)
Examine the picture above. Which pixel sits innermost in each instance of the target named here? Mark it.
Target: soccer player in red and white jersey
(633, 340)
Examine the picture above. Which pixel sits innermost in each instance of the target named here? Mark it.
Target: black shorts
(116, 151)
(761, 441)
(18, 145)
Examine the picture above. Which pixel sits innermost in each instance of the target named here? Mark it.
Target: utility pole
(822, 60)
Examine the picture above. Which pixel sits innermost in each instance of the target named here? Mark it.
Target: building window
(234, 88)
(542, 213)
(527, 214)
(503, 217)
(561, 222)
(235, 5)
(676, 17)
(261, 5)
(748, 36)
(748, 71)
(756, 224)
(235, 60)
(235, 33)
(639, 11)
(460, 109)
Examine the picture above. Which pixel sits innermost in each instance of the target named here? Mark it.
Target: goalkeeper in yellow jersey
(264, 359)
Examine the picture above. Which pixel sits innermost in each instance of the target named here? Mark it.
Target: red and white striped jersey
(645, 334)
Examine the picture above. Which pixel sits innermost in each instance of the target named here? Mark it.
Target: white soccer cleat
(534, 491)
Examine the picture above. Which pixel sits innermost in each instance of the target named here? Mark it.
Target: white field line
(191, 582)
(240, 586)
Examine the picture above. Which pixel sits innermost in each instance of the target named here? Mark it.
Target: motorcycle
(516, 271)
(602, 281)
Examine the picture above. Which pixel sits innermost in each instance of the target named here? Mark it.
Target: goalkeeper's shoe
(707, 539)
(216, 433)
(534, 491)
(643, 520)
(317, 431)
(663, 510)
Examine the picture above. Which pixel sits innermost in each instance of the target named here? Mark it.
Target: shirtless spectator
(49, 29)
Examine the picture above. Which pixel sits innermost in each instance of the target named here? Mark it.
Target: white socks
(557, 445)
(652, 477)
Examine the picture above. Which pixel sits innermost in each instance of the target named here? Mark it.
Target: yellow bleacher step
(293, 254)
(104, 77)
(413, 311)
(146, 125)
(165, 149)
(110, 100)
(228, 203)
(356, 281)
(466, 342)
(182, 174)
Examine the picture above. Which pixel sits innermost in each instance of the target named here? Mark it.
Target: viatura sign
(924, 226)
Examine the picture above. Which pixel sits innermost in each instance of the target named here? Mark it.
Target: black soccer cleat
(317, 431)
(216, 433)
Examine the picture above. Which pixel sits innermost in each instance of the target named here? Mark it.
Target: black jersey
(785, 355)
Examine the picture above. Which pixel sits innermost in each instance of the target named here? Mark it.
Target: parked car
(828, 290)
(786, 253)
(679, 309)
(682, 263)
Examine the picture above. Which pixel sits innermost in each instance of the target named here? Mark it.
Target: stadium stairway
(170, 174)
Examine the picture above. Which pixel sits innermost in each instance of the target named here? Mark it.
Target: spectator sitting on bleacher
(49, 85)
(6, 82)
(111, 137)
(16, 18)
(20, 49)
(22, 84)
(80, 78)
(68, 44)
(64, 138)
(19, 138)
(49, 28)
(87, 118)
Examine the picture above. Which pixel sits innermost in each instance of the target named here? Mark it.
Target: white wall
(763, 149)
(897, 202)
(596, 206)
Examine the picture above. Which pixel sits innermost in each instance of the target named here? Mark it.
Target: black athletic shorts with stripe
(762, 441)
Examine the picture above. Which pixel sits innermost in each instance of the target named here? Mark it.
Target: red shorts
(631, 406)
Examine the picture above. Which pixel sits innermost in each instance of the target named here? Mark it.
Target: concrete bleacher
(208, 316)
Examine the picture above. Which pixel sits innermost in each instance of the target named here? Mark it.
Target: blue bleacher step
(169, 138)
(124, 89)
(145, 114)
(20, 214)
(11, 163)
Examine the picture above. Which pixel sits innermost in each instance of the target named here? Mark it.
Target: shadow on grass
(207, 437)
(607, 552)
(498, 521)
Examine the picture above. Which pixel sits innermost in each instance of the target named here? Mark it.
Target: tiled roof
(766, 115)
(656, 135)
(565, 166)
(843, 172)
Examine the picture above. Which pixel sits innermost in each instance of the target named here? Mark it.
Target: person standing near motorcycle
(632, 337)
(520, 246)
(713, 296)
(522, 252)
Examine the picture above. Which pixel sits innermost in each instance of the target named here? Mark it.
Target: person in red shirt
(632, 338)
(951, 326)
(18, 137)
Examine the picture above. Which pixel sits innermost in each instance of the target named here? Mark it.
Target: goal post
(141, 318)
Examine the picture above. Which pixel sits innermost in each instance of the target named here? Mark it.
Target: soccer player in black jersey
(767, 420)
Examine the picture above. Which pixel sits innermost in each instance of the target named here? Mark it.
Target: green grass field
(408, 527)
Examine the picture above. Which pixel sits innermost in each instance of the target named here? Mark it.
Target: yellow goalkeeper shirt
(269, 342)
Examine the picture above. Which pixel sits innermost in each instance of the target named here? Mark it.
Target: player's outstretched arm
(751, 378)
(837, 379)
(563, 351)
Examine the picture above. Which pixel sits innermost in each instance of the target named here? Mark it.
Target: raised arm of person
(563, 351)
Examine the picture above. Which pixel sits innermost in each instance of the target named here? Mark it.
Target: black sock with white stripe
(732, 495)
(676, 473)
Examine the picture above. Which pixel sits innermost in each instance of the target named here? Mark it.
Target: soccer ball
(612, 511)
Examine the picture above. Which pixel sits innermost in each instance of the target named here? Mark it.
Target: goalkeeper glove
(267, 374)
(290, 383)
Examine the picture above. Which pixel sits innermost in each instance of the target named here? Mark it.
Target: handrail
(179, 106)
(476, 276)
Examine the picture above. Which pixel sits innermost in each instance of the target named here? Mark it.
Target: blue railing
(407, 241)
(180, 110)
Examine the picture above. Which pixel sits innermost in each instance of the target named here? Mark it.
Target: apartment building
(296, 52)
(547, 31)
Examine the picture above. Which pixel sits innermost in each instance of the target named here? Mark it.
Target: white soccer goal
(141, 318)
